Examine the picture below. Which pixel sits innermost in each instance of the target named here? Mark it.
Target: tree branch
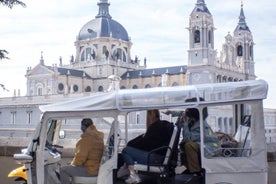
(3, 54)
(11, 3)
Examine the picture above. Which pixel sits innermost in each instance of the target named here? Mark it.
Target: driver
(88, 154)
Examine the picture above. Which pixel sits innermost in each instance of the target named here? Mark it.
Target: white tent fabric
(164, 97)
(236, 168)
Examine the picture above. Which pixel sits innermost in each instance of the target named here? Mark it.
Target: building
(103, 62)
(103, 49)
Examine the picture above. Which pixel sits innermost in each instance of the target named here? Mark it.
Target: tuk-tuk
(235, 109)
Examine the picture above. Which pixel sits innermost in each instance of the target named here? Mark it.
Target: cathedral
(103, 62)
(103, 56)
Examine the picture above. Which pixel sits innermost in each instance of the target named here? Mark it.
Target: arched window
(148, 86)
(122, 87)
(100, 88)
(75, 88)
(105, 52)
(119, 54)
(230, 79)
(251, 51)
(88, 54)
(239, 50)
(209, 36)
(175, 84)
(60, 86)
(219, 78)
(197, 36)
(134, 87)
(224, 79)
(88, 89)
(39, 89)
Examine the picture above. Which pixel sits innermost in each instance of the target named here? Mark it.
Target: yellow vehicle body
(19, 173)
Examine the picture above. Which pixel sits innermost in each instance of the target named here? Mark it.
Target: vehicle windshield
(52, 132)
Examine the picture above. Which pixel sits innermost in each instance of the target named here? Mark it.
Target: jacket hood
(89, 131)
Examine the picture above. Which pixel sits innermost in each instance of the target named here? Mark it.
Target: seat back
(172, 145)
(243, 136)
(167, 164)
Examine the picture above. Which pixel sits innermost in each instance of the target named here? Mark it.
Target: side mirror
(23, 158)
(61, 134)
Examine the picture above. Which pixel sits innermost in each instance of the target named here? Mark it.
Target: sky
(158, 31)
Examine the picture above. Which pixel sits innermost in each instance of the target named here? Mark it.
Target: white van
(235, 109)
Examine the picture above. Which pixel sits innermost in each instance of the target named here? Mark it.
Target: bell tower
(201, 53)
(243, 44)
(236, 58)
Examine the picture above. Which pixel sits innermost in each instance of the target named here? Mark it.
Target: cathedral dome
(103, 26)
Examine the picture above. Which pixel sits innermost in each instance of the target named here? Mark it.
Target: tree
(10, 4)
(2, 54)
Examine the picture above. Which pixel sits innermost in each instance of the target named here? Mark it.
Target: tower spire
(242, 24)
(200, 2)
(201, 7)
(103, 9)
(41, 58)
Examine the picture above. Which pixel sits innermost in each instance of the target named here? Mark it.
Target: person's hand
(184, 118)
(167, 112)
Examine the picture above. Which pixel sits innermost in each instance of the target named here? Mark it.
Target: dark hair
(193, 112)
(152, 116)
(85, 123)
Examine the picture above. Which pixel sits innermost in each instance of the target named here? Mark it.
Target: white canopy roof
(164, 97)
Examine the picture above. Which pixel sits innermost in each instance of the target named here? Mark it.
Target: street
(8, 164)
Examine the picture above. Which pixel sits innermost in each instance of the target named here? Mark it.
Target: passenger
(158, 134)
(88, 154)
(149, 121)
(189, 146)
(124, 171)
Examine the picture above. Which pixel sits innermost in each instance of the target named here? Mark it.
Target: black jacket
(158, 134)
